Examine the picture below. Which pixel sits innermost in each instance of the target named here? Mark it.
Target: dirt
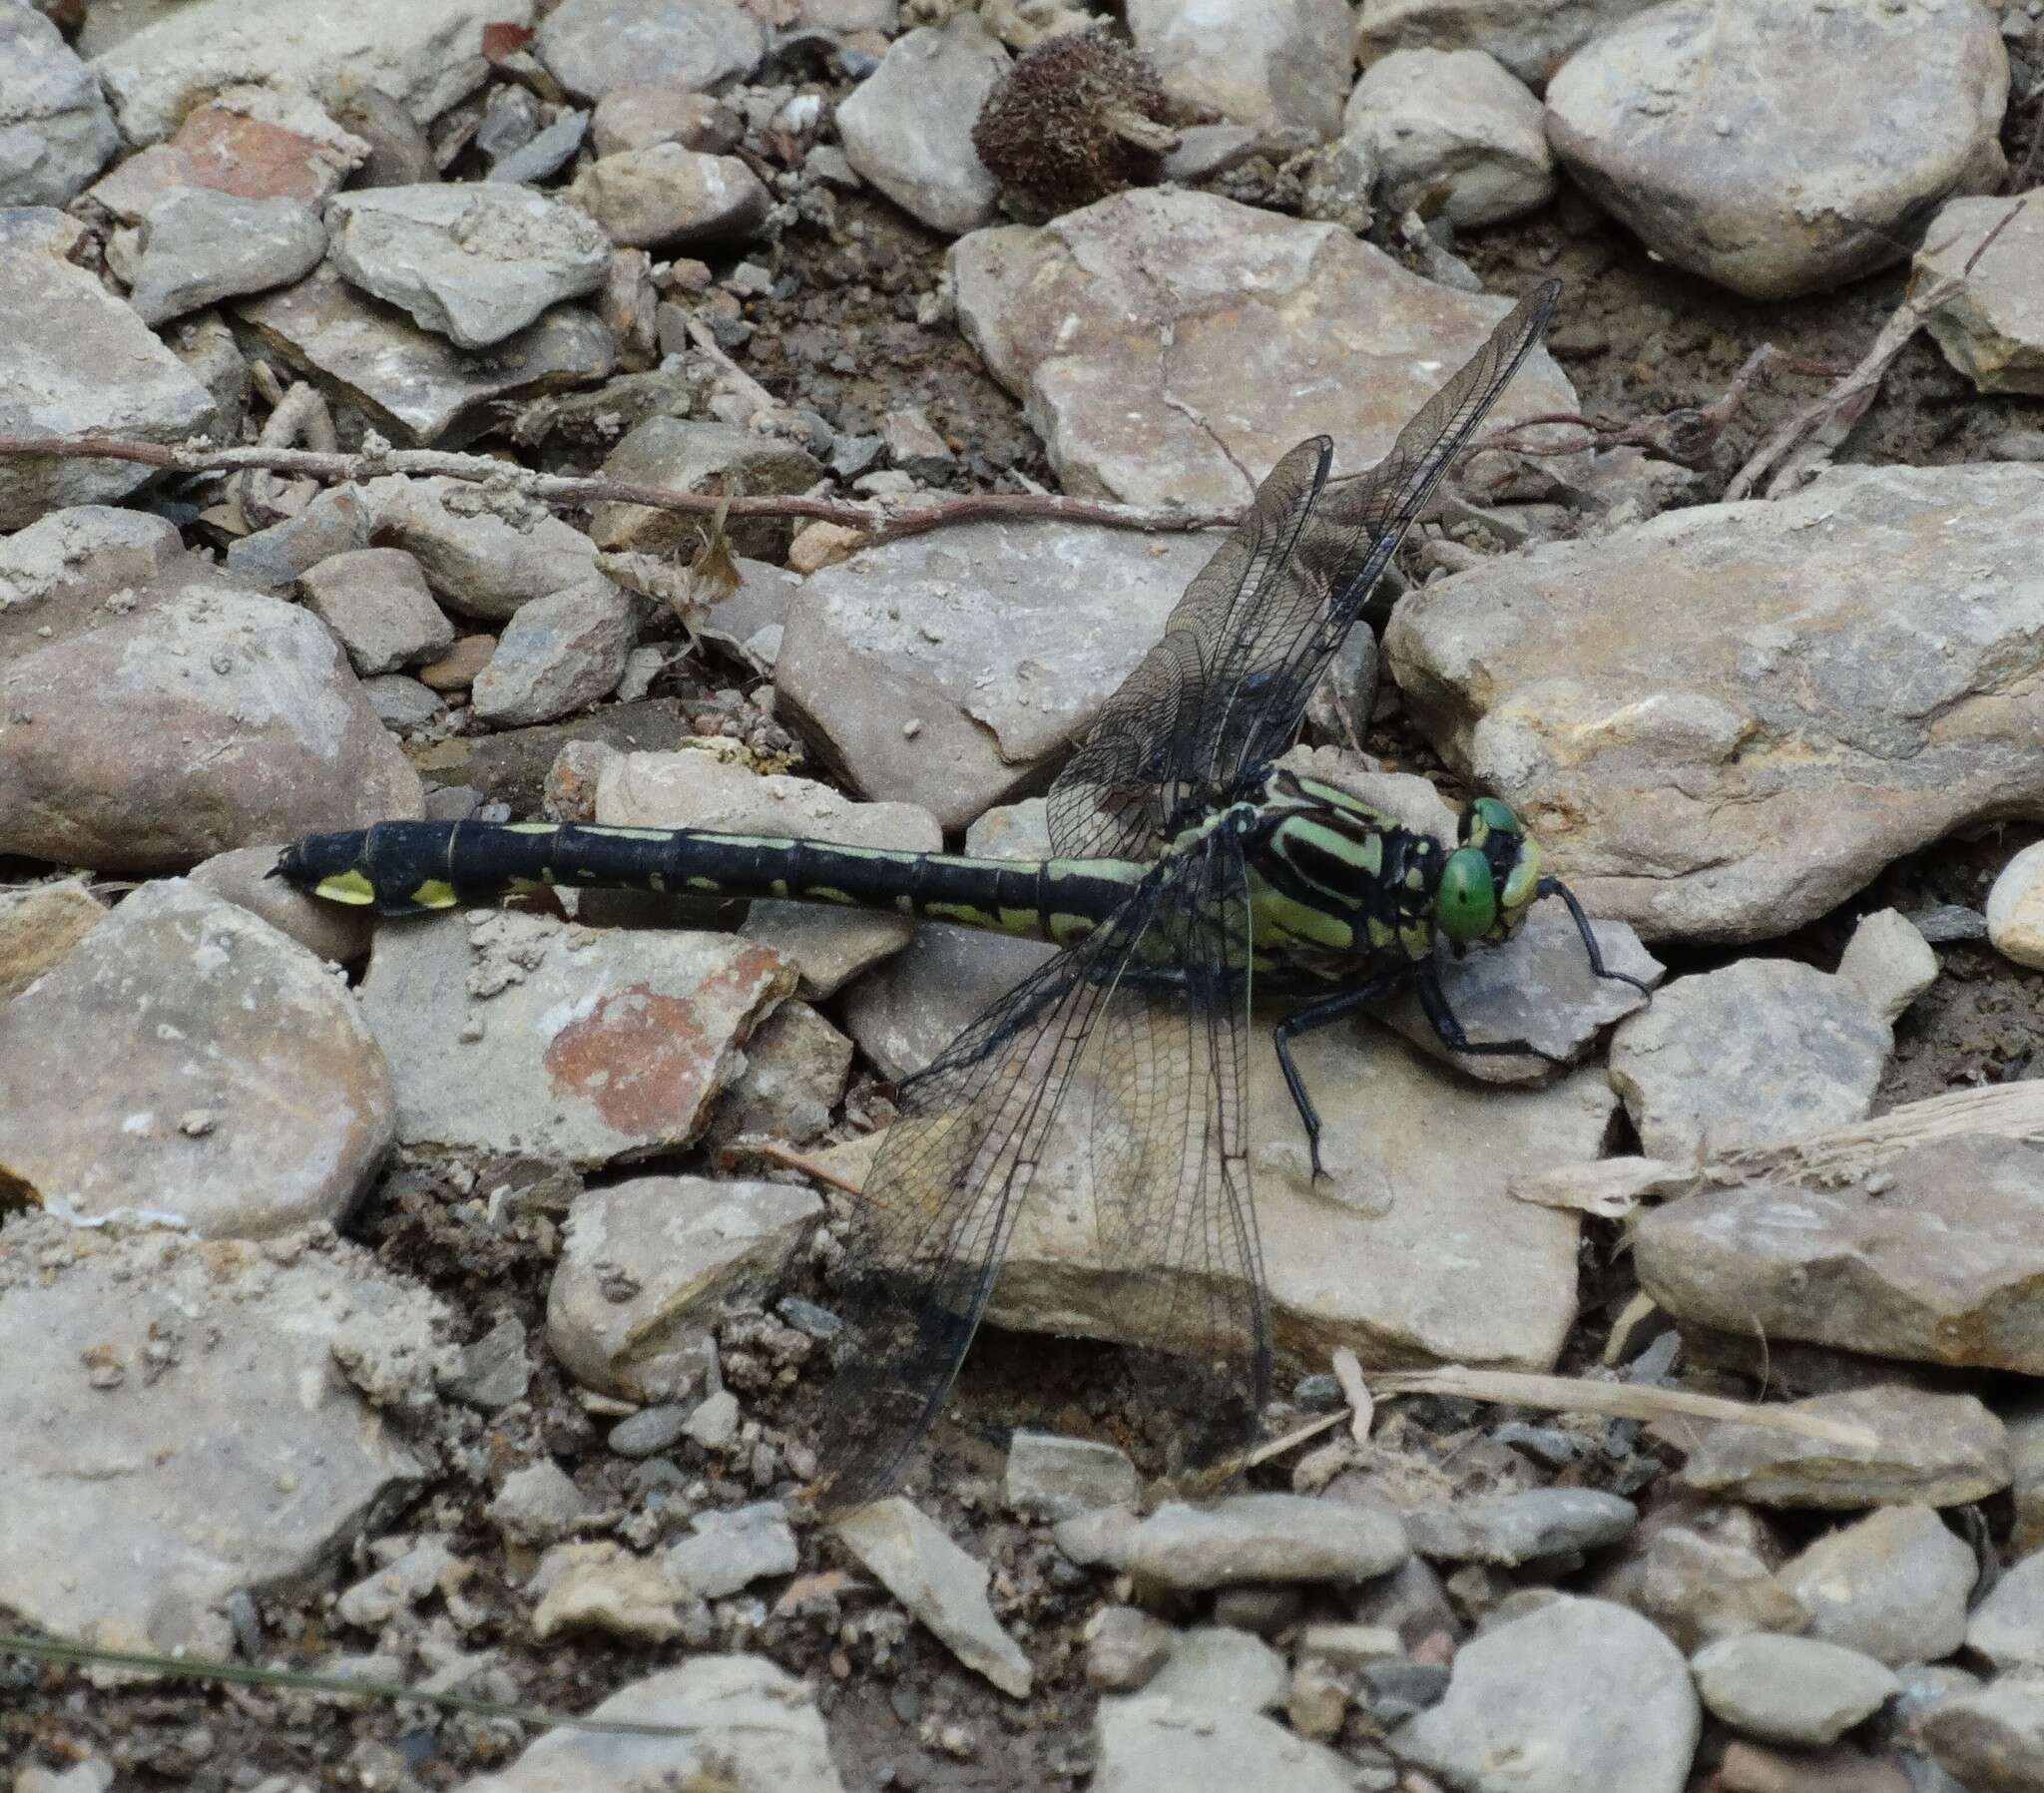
(1638, 339)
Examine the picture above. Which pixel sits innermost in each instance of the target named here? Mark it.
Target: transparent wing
(1222, 693)
(1123, 1025)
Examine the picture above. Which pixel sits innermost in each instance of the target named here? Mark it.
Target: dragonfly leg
(1447, 1025)
(1303, 1020)
(1556, 888)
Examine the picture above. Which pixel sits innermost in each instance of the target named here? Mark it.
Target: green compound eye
(1498, 815)
(1465, 901)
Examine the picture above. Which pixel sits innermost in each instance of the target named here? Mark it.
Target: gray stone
(1991, 1741)
(425, 56)
(255, 143)
(692, 791)
(648, 1432)
(907, 128)
(1264, 1538)
(484, 553)
(595, 46)
(39, 925)
(141, 1366)
(683, 456)
(55, 130)
(1992, 328)
(1532, 40)
(200, 246)
(70, 569)
(273, 736)
(648, 1265)
(249, 1099)
(1054, 1477)
(1213, 1667)
(1452, 129)
(414, 387)
(1888, 962)
(1576, 1694)
(1697, 1588)
(2015, 908)
(1892, 1585)
(558, 654)
(1134, 384)
(403, 705)
(402, 1580)
(734, 1722)
(547, 152)
(1695, 776)
(1939, 1450)
(76, 362)
(648, 111)
(518, 1033)
(997, 642)
(242, 876)
(475, 264)
(1791, 1689)
(274, 559)
(670, 198)
(376, 601)
(938, 1584)
(1933, 1260)
(714, 1423)
(1512, 1529)
(212, 356)
(1681, 121)
(1761, 1051)
(538, 1503)
(1124, 1647)
(2007, 1627)
(729, 1551)
(495, 1372)
(797, 1065)
(1269, 63)
(1148, 1744)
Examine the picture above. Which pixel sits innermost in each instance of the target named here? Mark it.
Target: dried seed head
(1077, 118)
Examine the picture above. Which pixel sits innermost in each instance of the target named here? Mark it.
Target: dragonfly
(1192, 876)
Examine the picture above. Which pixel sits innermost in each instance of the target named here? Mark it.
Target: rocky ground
(426, 1305)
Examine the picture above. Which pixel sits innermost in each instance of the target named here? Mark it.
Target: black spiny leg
(1434, 1000)
(1556, 888)
(1303, 1020)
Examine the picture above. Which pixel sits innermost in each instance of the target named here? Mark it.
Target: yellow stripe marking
(434, 893)
(345, 887)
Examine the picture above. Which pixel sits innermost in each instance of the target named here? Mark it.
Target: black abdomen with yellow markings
(406, 868)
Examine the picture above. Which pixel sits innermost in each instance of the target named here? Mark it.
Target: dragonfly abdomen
(406, 868)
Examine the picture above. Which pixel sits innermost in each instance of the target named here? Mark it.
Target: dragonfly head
(1488, 882)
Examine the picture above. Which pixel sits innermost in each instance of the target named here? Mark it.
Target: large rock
(1892, 1587)
(57, 575)
(413, 386)
(907, 128)
(251, 142)
(425, 54)
(905, 634)
(55, 128)
(1782, 148)
(199, 247)
(668, 196)
(557, 655)
(1791, 1689)
(517, 1033)
(484, 553)
(180, 1426)
(1452, 129)
(593, 46)
(273, 736)
(1992, 328)
(474, 263)
(244, 1095)
(1532, 38)
(76, 362)
(1154, 1744)
(1577, 1694)
(1269, 63)
(1259, 1538)
(679, 455)
(1137, 384)
(1936, 1259)
(1818, 694)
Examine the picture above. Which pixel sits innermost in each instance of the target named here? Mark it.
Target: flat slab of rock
(1269, 63)
(1056, 1478)
(684, 1245)
(1893, 1586)
(1531, 41)
(697, 790)
(1511, 1528)
(199, 247)
(249, 1097)
(1934, 1258)
(1936, 1450)
(1576, 1694)
(593, 46)
(947, 669)
(415, 387)
(1154, 1744)
(722, 1710)
(1256, 1538)
(907, 128)
(251, 142)
(275, 738)
(143, 1367)
(938, 1584)
(57, 131)
(425, 54)
(1824, 690)
(518, 1033)
(1137, 385)
(1682, 122)
(76, 362)
(1798, 1690)
(1992, 331)
(474, 263)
